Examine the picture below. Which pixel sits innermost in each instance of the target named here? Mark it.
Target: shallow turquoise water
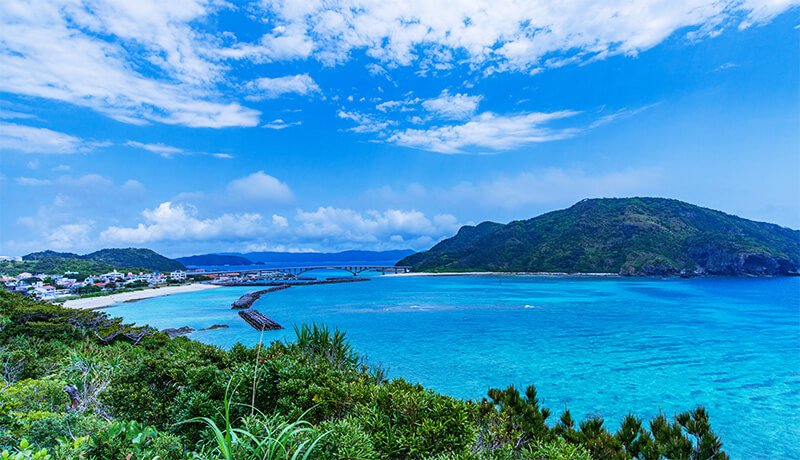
(600, 346)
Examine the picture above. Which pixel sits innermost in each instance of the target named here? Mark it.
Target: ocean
(598, 346)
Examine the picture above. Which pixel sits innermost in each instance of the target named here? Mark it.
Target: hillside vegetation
(79, 385)
(213, 259)
(629, 236)
(102, 261)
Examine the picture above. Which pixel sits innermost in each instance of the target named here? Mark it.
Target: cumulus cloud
(337, 224)
(487, 132)
(169, 222)
(270, 88)
(260, 187)
(453, 106)
(27, 139)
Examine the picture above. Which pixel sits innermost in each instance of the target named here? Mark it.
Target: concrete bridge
(295, 271)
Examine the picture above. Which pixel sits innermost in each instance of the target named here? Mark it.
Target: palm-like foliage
(321, 341)
(259, 438)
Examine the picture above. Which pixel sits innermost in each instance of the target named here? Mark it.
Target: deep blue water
(598, 346)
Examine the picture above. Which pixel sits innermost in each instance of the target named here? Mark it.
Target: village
(70, 284)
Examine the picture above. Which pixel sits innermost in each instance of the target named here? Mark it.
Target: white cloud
(27, 139)
(280, 124)
(453, 106)
(279, 221)
(365, 123)
(487, 132)
(166, 151)
(325, 228)
(88, 53)
(11, 114)
(170, 222)
(32, 181)
(346, 225)
(174, 62)
(260, 187)
(618, 115)
(526, 190)
(502, 34)
(68, 236)
(87, 182)
(132, 187)
(270, 88)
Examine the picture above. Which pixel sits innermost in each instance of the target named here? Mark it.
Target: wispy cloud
(487, 132)
(28, 139)
(527, 189)
(168, 151)
(32, 181)
(618, 115)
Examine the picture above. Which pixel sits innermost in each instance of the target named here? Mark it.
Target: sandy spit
(91, 303)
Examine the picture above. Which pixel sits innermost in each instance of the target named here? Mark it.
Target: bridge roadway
(294, 271)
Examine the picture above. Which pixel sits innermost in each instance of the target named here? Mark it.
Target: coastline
(559, 274)
(93, 303)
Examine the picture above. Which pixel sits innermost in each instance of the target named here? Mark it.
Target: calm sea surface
(598, 346)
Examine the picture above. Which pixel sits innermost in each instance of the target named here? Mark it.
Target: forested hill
(213, 259)
(102, 260)
(630, 236)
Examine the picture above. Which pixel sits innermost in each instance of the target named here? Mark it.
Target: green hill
(213, 259)
(630, 236)
(102, 261)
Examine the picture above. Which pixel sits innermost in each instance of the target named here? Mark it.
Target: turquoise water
(598, 346)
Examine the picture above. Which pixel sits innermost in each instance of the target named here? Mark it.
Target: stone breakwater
(247, 300)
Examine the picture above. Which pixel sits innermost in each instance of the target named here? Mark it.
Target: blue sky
(198, 126)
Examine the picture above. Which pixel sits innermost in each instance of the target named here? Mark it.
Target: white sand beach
(91, 303)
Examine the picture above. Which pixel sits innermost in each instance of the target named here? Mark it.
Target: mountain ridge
(629, 236)
(124, 258)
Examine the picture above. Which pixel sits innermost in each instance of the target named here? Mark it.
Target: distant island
(102, 261)
(321, 258)
(627, 236)
(213, 259)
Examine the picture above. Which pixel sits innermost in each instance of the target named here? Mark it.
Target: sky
(195, 126)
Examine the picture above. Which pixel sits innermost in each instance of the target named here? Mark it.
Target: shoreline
(554, 274)
(94, 303)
